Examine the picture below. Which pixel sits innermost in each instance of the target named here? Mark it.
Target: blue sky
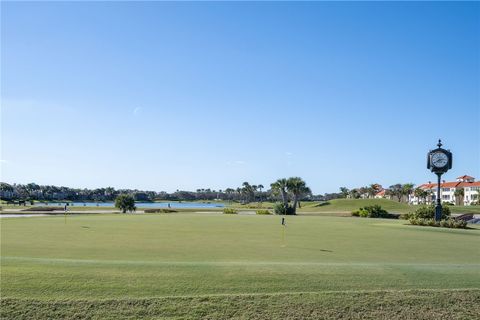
(166, 96)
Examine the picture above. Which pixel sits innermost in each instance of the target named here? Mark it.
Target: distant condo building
(448, 192)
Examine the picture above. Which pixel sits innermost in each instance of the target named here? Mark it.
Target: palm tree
(298, 188)
(254, 189)
(229, 192)
(396, 191)
(260, 187)
(407, 189)
(344, 191)
(420, 194)
(249, 191)
(459, 194)
(354, 194)
(280, 187)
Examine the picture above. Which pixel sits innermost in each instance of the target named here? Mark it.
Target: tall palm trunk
(284, 198)
(295, 203)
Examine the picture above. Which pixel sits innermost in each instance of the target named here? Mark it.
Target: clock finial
(439, 143)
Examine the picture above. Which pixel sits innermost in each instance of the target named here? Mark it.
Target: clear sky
(166, 96)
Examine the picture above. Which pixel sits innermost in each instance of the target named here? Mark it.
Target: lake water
(192, 205)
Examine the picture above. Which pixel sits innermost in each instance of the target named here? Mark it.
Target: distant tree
(459, 194)
(354, 194)
(344, 191)
(421, 194)
(248, 191)
(6, 187)
(229, 192)
(407, 190)
(370, 192)
(298, 188)
(279, 187)
(125, 202)
(260, 188)
(363, 191)
(396, 190)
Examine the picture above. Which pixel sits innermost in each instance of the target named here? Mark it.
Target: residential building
(470, 187)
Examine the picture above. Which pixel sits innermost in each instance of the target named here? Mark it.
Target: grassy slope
(134, 261)
(349, 205)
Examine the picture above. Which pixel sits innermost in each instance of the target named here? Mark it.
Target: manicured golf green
(206, 260)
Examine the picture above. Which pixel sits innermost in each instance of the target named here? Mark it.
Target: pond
(192, 205)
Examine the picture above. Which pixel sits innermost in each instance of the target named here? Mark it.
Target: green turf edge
(407, 304)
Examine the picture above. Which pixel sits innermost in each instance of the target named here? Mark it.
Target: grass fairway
(349, 205)
(228, 266)
(346, 206)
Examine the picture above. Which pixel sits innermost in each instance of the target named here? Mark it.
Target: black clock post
(439, 161)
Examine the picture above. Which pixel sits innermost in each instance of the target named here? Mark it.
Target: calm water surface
(193, 205)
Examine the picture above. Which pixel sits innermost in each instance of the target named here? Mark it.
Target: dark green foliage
(44, 208)
(159, 210)
(229, 211)
(428, 212)
(447, 223)
(263, 212)
(280, 209)
(125, 202)
(374, 211)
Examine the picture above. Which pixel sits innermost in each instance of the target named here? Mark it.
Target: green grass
(230, 266)
(349, 205)
(390, 305)
(346, 206)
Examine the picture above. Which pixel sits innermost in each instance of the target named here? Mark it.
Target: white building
(470, 188)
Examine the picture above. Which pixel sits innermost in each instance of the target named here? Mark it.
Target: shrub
(280, 209)
(374, 211)
(42, 208)
(125, 202)
(428, 212)
(229, 211)
(159, 210)
(263, 212)
(447, 223)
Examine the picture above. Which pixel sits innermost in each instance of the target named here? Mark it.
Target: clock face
(439, 159)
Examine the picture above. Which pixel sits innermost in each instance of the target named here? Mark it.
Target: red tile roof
(452, 184)
(465, 177)
(427, 186)
(469, 184)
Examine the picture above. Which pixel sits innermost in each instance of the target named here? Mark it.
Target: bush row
(447, 223)
(230, 211)
(44, 209)
(280, 209)
(159, 210)
(428, 212)
(263, 212)
(374, 211)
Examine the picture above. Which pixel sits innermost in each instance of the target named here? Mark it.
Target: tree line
(399, 192)
(245, 193)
